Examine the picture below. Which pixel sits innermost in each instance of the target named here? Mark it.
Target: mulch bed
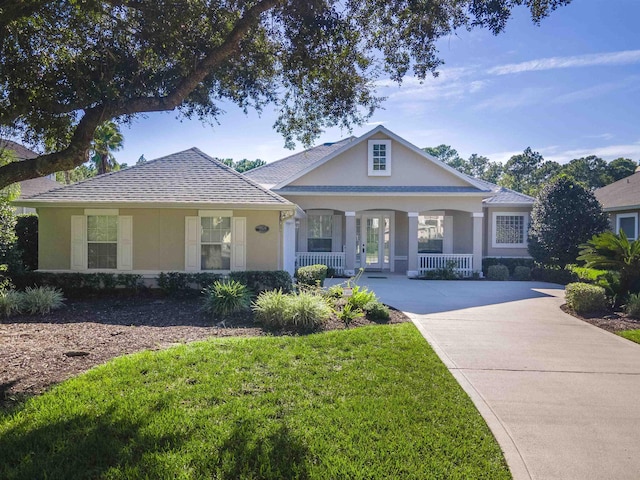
(39, 351)
(610, 321)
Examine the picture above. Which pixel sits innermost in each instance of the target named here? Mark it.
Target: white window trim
(80, 242)
(379, 173)
(627, 215)
(494, 221)
(193, 246)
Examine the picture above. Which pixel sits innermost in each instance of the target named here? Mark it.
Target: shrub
(173, 283)
(271, 308)
(349, 313)
(553, 274)
(27, 240)
(10, 302)
(308, 311)
(335, 291)
(259, 281)
(498, 272)
(511, 263)
(360, 296)
(586, 274)
(522, 273)
(79, 284)
(633, 305)
(615, 252)
(585, 298)
(447, 273)
(564, 216)
(224, 298)
(41, 300)
(313, 275)
(376, 311)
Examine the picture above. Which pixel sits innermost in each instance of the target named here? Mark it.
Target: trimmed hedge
(313, 275)
(27, 239)
(510, 263)
(498, 272)
(553, 275)
(78, 284)
(522, 273)
(585, 298)
(259, 281)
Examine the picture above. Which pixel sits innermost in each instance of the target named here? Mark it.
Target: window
(102, 241)
(319, 233)
(430, 233)
(628, 223)
(510, 230)
(215, 240)
(379, 158)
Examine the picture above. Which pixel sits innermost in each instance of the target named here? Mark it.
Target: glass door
(373, 235)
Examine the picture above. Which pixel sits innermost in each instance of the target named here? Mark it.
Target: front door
(374, 241)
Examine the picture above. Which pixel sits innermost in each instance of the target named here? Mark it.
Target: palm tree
(106, 139)
(609, 251)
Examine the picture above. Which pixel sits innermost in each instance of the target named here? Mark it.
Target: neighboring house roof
(34, 186)
(22, 152)
(620, 195)
(187, 178)
(279, 171)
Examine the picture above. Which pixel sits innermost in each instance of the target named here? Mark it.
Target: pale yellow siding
(158, 238)
(351, 168)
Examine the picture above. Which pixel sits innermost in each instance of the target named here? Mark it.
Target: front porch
(390, 241)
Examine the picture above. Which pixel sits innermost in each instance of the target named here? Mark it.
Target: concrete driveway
(562, 397)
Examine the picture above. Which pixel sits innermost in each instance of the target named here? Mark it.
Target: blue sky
(568, 88)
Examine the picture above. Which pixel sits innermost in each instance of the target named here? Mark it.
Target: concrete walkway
(562, 397)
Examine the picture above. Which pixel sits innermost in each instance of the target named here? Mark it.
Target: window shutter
(192, 244)
(78, 242)
(125, 242)
(239, 243)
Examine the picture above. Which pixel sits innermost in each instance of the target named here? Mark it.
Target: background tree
(591, 171)
(479, 166)
(620, 168)
(447, 154)
(106, 140)
(243, 165)
(564, 216)
(315, 60)
(519, 172)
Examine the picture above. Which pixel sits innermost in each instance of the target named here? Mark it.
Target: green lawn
(372, 402)
(633, 335)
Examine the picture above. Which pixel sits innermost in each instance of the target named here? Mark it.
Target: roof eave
(388, 194)
(165, 205)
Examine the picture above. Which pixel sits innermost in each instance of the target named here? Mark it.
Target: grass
(633, 335)
(373, 402)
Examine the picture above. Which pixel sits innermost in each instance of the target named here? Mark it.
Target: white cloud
(503, 156)
(508, 101)
(625, 57)
(608, 152)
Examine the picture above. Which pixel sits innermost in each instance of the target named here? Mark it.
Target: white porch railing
(334, 260)
(462, 263)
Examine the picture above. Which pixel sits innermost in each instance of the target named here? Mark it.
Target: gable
(407, 168)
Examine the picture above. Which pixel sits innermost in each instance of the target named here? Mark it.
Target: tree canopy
(69, 66)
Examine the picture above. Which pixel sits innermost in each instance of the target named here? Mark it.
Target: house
(182, 212)
(375, 202)
(378, 202)
(621, 200)
(33, 186)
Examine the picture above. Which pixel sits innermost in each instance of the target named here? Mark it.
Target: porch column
(477, 241)
(350, 243)
(412, 253)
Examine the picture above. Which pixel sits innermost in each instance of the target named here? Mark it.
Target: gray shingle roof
(504, 195)
(22, 152)
(35, 186)
(280, 170)
(375, 189)
(620, 194)
(188, 177)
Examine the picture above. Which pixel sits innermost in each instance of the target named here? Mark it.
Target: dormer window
(379, 158)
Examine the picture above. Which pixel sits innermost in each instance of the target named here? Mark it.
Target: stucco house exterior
(375, 202)
(621, 200)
